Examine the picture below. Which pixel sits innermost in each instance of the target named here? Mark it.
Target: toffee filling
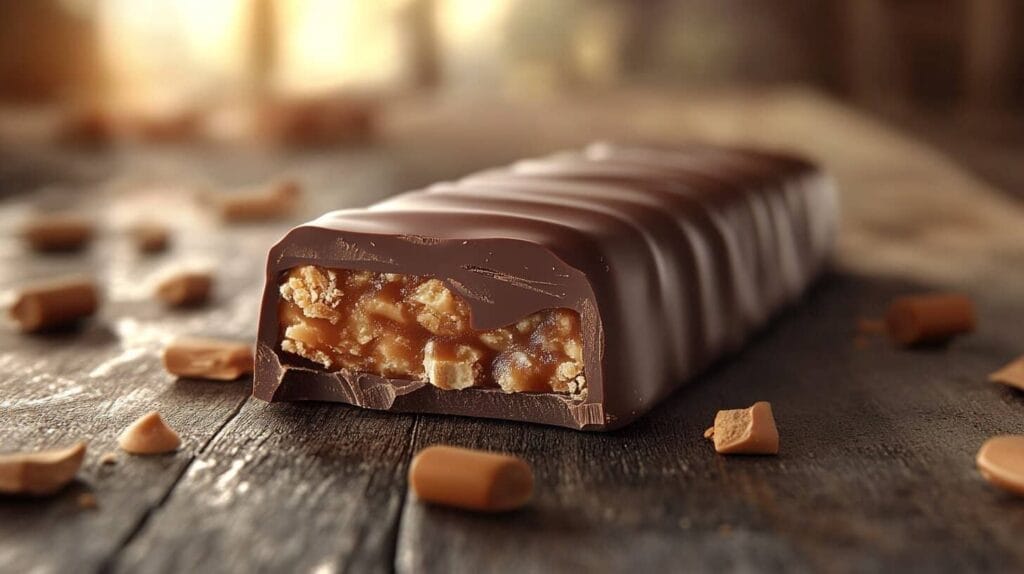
(414, 327)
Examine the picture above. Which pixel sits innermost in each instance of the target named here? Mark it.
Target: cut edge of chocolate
(297, 379)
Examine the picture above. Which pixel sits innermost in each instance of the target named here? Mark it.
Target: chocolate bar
(576, 290)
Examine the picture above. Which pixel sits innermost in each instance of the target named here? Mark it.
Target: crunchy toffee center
(414, 327)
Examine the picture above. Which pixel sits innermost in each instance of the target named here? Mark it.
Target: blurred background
(318, 72)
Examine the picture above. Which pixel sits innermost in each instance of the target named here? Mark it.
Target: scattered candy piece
(213, 359)
(932, 318)
(185, 288)
(149, 435)
(745, 431)
(54, 304)
(57, 232)
(40, 473)
(471, 479)
(1011, 375)
(1001, 461)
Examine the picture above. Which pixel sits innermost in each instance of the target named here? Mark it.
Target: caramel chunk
(316, 121)
(149, 435)
(1011, 375)
(440, 313)
(54, 304)
(933, 318)
(185, 288)
(150, 237)
(86, 126)
(40, 473)
(1001, 462)
(416, 328)
(179, 124)
(57, 232)
(866, 326)
(203, 358)
(276, 201)
(315, 291)
(745, 431)
(471, 479)
(455, 369)
(87, 501)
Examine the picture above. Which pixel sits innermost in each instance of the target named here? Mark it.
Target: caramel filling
(413, 327)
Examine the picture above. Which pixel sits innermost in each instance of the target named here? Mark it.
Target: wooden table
(876, 471)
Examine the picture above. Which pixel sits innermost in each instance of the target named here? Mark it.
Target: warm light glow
(327, 44)
(214, 33)
(164, 53)
(462, 20)
(160, 53)
(472, 42)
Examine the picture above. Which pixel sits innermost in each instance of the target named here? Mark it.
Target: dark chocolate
(671, 257)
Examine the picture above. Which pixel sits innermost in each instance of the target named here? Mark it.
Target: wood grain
(91, 382)
(876, 470)
(284, 488)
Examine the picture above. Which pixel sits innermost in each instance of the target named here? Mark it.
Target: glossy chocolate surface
(671, 257)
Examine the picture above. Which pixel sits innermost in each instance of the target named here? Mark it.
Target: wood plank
(285, 487)
(55, 394)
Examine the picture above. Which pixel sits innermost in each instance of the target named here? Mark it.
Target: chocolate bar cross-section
(576, 290)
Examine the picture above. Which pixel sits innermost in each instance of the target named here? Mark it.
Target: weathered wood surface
(91, 383)
(876, 471)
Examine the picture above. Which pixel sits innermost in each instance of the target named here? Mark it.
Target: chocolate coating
(671, 257)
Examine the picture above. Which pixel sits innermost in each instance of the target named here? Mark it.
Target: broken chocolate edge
(281, 376)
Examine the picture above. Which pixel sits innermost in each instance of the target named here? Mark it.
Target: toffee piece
(185, 288)
(471, 479)
(40, 473)
(206, 358)
(150, 237)
(149, 434)
(54, 304)
(745, 431)
(275, 201)
(1001, 462)
(1012, 375)
(929, 318)
(58, 232)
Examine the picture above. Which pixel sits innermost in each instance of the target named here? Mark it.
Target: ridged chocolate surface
(672, 257)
